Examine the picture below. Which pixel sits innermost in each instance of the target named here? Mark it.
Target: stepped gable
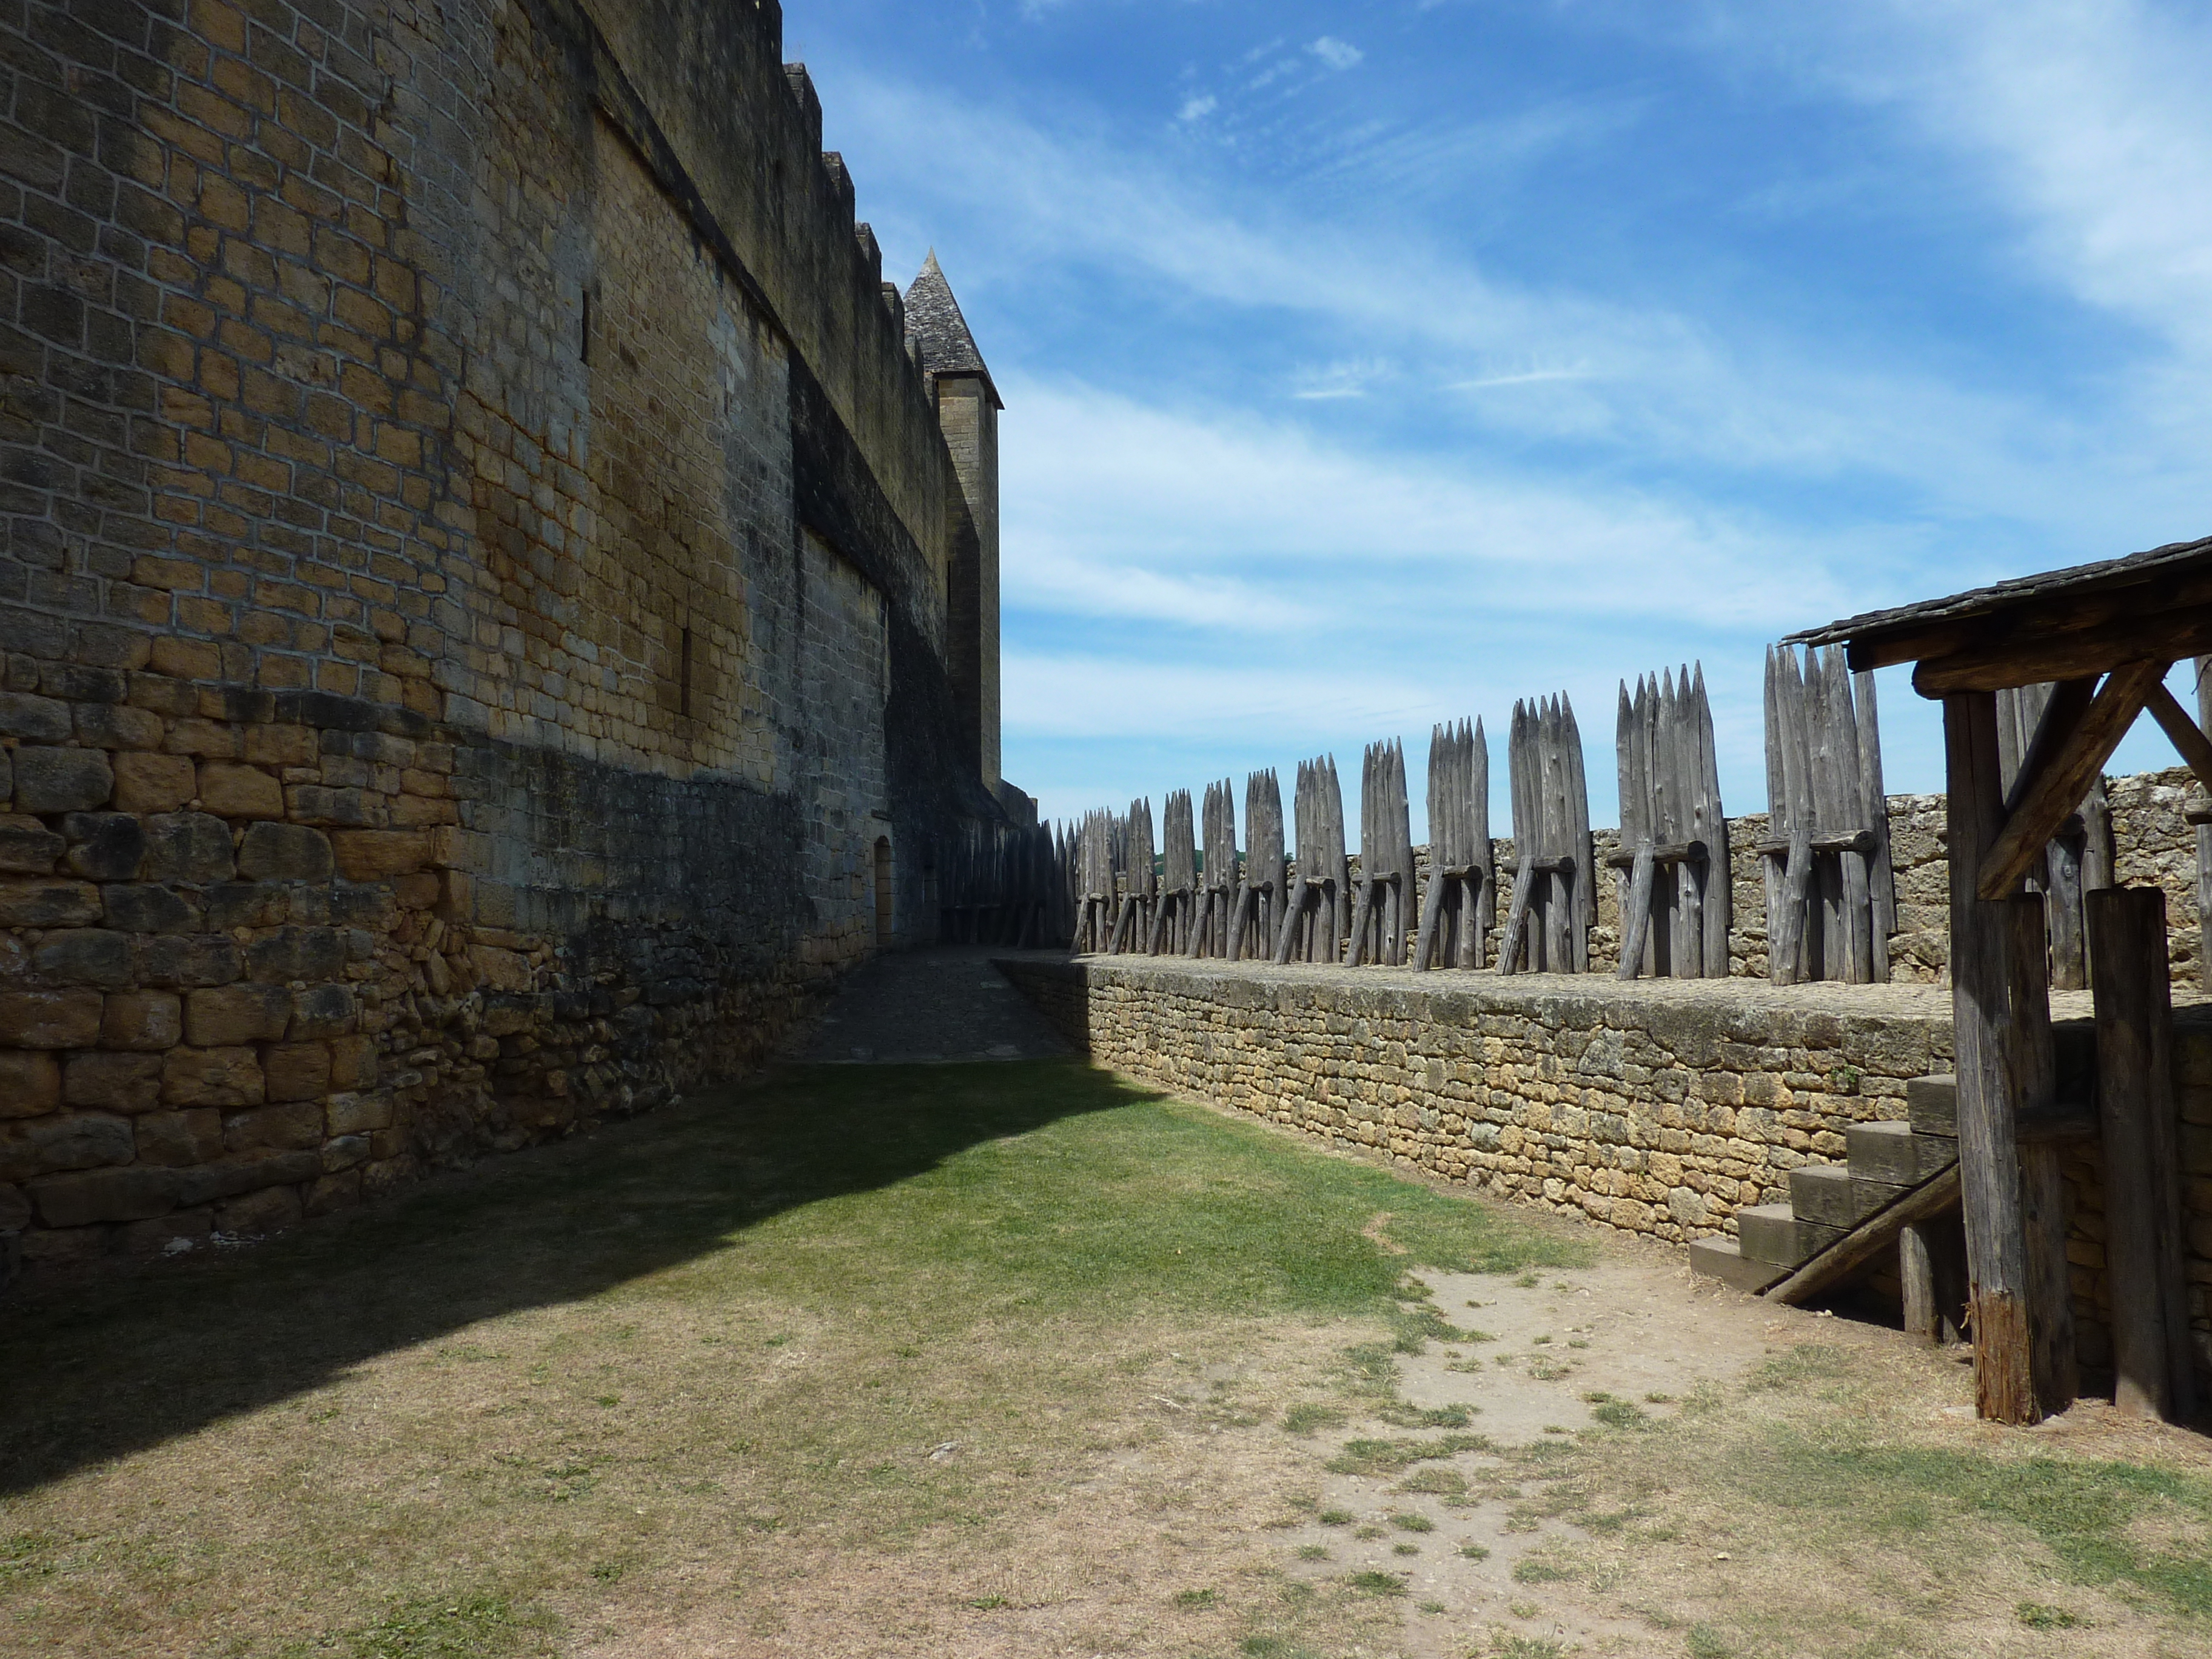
(934, 317)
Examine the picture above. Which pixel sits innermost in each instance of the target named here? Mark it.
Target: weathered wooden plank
(2204, 838)
(1708, 823)
(1673, 853)
(1260, 896)
(1686, 929)
(1582, 899)
(1788, 958)
(2011, 660)
(1513, 949)
(1629, 767)
(1778, 806)
(1336, 872)
(1882, 876)
(2175, 722)
(1850, 809)
(2146, 1265)
(1459, 854)
(1867, 1240)
(1855, 840)
(1635, 913)
(1485, 854)
(1916, 1274)
(2054, 777)
(1662, 956)
(1994, 1039)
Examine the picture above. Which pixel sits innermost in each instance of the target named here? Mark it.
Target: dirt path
(910, 1007)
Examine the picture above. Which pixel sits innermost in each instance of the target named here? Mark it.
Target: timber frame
(2106, 634)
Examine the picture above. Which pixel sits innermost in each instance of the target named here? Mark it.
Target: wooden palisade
(1672, 862)
(1548, 927)
(1461, 901)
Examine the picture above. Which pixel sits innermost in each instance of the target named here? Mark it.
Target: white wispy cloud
(1668, 386)
(1126, 508)
(1337, 54)
(1191, 580)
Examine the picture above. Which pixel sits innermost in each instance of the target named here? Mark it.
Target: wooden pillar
(2001, 1019)
(2144, 1247)
(2204, 841)
(1932, 1260)
(1915, 1272)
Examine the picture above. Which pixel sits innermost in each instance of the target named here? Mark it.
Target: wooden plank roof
(2060, 624)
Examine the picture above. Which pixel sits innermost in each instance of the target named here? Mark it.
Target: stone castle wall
(473, 590)
(1656, 1108)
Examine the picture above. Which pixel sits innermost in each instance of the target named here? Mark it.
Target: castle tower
(968, 408)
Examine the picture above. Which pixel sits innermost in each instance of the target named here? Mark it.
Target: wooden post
(2204, 841)
(2003, 1052)
(1916, 1271)
(2143, 1247)
(1932, 1260)
(1881, 882)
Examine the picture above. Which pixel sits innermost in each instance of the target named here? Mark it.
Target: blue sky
(1369, 364)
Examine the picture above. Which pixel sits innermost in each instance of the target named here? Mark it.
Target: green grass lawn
(852, 1316)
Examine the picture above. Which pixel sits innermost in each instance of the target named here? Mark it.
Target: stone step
(1719, 1258)
(1775, 1234)
(1933, 1104)
(1892, 1155)
(1824, 1193)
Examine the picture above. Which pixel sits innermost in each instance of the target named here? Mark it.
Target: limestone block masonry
(476, 549)
(1660, 1107)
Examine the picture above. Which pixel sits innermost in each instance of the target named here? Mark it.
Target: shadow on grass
(105, 1368)
(1039, 1192)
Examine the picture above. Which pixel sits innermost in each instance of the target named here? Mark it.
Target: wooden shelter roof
(2058, 625)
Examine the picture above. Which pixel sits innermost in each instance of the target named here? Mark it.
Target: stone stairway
(1886, 1161)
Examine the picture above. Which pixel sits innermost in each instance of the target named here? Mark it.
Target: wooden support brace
(1877, 1233)
(1637, 924)
(2067, 754)
(2187, 736)
(1305, 894)
(1858, 841)
(1516, 919)
(1676, 852)
(1432, 907)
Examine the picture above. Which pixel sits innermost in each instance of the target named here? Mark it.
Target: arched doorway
(883, 891)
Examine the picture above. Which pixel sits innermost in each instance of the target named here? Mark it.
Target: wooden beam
(2063, 712)
(2188, 737)
(1916, 1274)
(2143, 1246)
(1877, 1233)
(2049, 795)
(2014, 658)
(1996, 1065)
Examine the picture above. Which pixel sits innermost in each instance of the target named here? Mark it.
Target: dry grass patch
(949, 1359)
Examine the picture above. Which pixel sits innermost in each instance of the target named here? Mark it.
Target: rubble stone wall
(474, 548)
(1659, 1109)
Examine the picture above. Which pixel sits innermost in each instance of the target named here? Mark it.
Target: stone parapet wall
(1656, 1108)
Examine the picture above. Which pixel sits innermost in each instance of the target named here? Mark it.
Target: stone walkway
(939, 1005)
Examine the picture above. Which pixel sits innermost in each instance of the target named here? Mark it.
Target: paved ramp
(948, 1003)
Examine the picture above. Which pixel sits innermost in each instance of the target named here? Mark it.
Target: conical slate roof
(933, 317)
